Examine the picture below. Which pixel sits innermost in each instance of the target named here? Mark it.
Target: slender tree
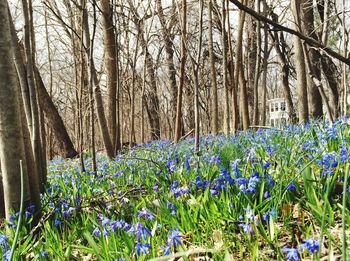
(212, 70)
(12, 149)
(177, 134)
(111, 62)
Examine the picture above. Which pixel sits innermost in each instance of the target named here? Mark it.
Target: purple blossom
(267, 194)
(96, 232)
(292, 253)
(140, 231)
(105, 222)
(144, 212)
(311, 245)
(291, 187)
(142, 248)
(247, 228)
(174, 238)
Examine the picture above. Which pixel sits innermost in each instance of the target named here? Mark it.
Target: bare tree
(111, 69)
(12, 149)
(178, 126)
(212, 70)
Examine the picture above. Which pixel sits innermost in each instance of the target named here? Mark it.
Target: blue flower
(140, 231)
(142, 248)
(311, 245)
(58, 222)
(172, 207)
(4, 240)
(115, 225)
(31, 208)
(291, 187)
(292, 253)
(247, 228)
(96, 232)
(267, 194)
(187, 166)
(166, 249)
(273, 213)
(214, 192)
(7, 255)
(42, 254)
(144, 212)
(266, 217)
(28, 214)
(105, 222)
(174, 238)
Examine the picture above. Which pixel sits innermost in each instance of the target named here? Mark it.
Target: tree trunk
(30, 61)
(308, 28)
(225, 82)
(257, 70)
(11, 135)
(97, 93)
(168, 41)
(177, 134)
(151, 101)
(235, 107)
(111, 62)
(302, 91)
(239, 75)
(213, 71)
(54, 119)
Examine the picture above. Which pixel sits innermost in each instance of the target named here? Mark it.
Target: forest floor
(267, 194)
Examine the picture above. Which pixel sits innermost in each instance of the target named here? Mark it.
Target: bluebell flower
(156, 187)
(215, 160)
(214, 192)
(187, 166)
(172, 207)
(266, 165)
(105, 233)
(105, 222)
(174, 238)
(140, 231)
(291, 186)
(266, 217)
(142, 248)
(247, 228)
(311, 245)
(267, 194)
(292, 253)
(144, 212)
(78, 199)
(28, 214)
(31, 208)
(4, 240)
(58, 222)
(42, 254)
(115, 225)
(273, 213)
(7, 255)
(181, 191)
(96, 232)
(68, 212)
(120, 259)
(166, 249)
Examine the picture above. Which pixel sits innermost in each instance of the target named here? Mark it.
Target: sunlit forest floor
(267, 194)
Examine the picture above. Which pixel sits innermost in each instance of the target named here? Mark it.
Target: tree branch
(308, 40)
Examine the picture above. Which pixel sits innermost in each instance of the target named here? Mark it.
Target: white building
(278, 112)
